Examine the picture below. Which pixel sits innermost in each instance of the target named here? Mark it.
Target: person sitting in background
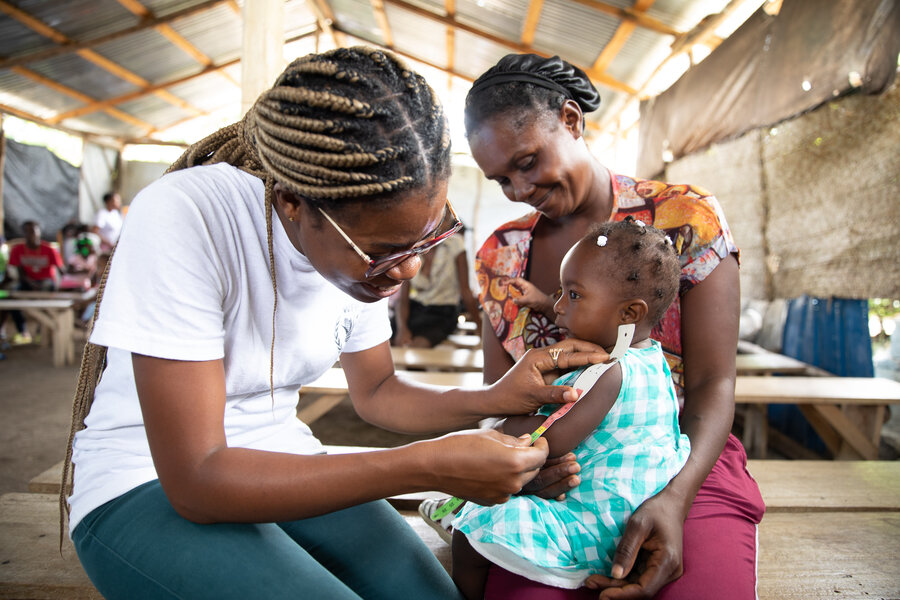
(108, 221)
(33, 266)
(80, 250)
(427, 311)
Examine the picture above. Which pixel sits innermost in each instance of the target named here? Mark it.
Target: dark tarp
(756, 77)
(37, 186)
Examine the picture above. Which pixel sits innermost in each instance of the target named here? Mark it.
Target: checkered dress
(631, 456)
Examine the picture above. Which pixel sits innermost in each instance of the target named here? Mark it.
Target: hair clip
(639, 223)
(669, 241)
(601, 240)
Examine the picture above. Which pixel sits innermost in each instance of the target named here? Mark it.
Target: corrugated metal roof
(487, 30)
(21, 93)
(504, 18)
(217, 33)
(356, 17)
(149, 55)
(197, 92)
(573, 30)
(155, 111)
(82, 76)
(417, 36)
(80, 19)
(16, 39)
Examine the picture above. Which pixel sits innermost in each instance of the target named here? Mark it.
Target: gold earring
(291, 219)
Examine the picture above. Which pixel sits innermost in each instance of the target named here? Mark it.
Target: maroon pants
(719, 543)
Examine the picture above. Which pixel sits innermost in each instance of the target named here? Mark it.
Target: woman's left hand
(656, 528)
(525, 387)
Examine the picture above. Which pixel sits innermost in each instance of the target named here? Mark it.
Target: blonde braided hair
(344, 127)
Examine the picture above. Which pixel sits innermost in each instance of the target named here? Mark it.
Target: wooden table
(828, 403)
(464, 359)
(820, 399)
(57, 316)
(770, 364)
(439, 359)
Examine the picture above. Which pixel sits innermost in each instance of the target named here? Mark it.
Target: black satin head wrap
(551, 73)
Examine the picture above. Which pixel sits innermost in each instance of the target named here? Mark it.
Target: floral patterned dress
(690, 215)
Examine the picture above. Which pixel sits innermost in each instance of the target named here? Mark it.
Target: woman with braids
(265, 254)
(524, 120)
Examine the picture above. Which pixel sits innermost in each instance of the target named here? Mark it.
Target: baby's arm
(587, 414)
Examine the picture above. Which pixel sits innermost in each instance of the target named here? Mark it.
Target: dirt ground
(36, 412)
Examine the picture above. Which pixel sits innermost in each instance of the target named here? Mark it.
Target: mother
(242, 274)
(525, 120)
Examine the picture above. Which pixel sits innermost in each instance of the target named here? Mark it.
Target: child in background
(624, 430)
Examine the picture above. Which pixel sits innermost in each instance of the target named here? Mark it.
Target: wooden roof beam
(166, 31)
(450, 8)
(327, 23)
(531, 21)
(597, 76)
(73, 46)
(102, 104)
(632, 16)
(621, 35)
(63, 89)
(702, 31)
(382, 20)
(105, 140)
(102, 62)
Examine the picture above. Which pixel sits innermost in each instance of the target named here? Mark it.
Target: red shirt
(36, 263)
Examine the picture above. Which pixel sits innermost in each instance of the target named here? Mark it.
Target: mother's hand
(525, 387)
(657, 529)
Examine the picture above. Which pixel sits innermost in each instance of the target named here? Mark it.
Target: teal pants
(137, 546)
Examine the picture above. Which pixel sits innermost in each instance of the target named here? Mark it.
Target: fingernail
(574, 481)
(617, 572)
(574, 468)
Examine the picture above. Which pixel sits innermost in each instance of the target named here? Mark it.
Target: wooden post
(2, 164)
(262, 59)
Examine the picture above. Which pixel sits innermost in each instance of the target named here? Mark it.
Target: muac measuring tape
(585, 381)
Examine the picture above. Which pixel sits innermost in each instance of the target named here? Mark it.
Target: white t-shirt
(109, 224)
(190, 281)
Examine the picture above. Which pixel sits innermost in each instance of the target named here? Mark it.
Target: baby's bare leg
(470, 569)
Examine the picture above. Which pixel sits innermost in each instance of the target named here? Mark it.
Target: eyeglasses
(380, 265)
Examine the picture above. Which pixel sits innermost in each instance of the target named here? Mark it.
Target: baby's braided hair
(641, 259)
(349, 126)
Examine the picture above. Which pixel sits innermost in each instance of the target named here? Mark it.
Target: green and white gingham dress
(632, 455)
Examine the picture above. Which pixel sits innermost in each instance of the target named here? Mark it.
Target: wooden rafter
(704, 31)
(382, 20)
(168, 32)
(73, 46)
(630, 15)
(104, 63)
(64, 89)
(450, 8)
(325, 19)
(621, 35)
(22, 114)
(531, 21)
(596, 76)
(102, 104)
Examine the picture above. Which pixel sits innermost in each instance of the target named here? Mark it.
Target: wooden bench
(786, 485)
(464, 359)
(54, 314)
(808, 555)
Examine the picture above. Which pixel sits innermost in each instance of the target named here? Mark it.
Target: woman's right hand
(484, 465)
